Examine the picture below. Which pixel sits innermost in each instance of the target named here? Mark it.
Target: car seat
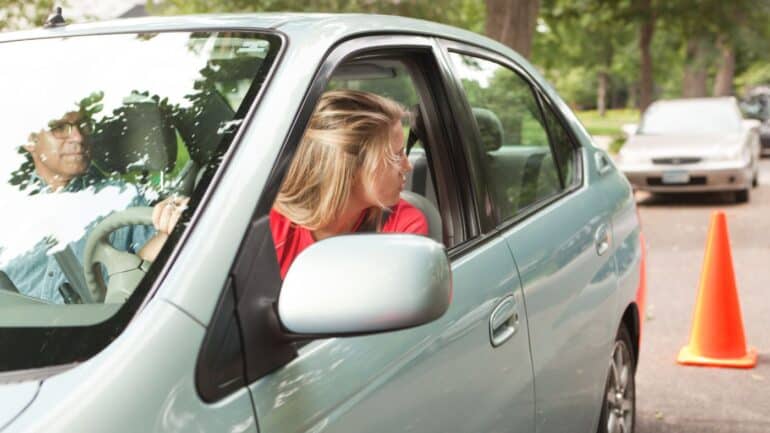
(201, 126)
(138, 137)
(432, 215)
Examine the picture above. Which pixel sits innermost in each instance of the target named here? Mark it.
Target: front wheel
(619, 406)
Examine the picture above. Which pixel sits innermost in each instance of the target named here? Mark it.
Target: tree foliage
(585, 43)
(616, 53)
(21, 14)
(696, 47)
(462, 13)
(512, 22)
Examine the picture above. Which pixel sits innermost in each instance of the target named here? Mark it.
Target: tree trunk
(601, 93)
(512, 22)
(646, 31)
(695, 74)
(723, 84)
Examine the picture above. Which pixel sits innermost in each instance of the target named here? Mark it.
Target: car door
(468, 371)
(546, 197)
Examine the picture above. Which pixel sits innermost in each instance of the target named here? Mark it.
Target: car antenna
(55, 19)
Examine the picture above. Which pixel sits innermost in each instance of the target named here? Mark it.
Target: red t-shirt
(291, 239)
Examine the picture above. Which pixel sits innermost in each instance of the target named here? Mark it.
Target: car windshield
(757, 106)
(691, 117)
(98, 132)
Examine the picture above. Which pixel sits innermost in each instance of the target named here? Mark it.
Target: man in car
(61, 163)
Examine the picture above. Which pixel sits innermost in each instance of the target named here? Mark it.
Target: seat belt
(371, 226)
(73, 270)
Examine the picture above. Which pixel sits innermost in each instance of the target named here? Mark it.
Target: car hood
(16, 397)
(657, 146)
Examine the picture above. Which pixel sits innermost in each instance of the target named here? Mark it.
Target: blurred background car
(757, 106)
(693, 145)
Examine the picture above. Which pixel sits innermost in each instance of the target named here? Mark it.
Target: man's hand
(165, 215)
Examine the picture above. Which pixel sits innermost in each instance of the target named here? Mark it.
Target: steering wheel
(124, 269)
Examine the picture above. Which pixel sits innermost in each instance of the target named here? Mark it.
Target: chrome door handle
(504, 321)
(602, 238)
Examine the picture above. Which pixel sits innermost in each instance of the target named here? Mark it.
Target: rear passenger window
(519, 166)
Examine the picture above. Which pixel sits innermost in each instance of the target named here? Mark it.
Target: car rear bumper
(700, 179)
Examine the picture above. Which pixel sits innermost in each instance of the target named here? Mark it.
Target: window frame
(259, 324)
(579, 178)
(490, 227)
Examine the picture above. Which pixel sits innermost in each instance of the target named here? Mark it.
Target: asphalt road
(674, 398)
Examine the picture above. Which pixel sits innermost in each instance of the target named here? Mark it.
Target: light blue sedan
(520, 312)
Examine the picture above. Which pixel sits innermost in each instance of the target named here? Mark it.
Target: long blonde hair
(347, 131)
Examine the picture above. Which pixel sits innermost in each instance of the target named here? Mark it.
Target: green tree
(20, 14)
(512, 22)
(645, 17)
(713, 34)
(586, 35)
(468, 14)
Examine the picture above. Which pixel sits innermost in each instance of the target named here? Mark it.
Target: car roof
(333, 27)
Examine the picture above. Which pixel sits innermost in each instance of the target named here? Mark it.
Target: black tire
(742, 196)
(619, 415)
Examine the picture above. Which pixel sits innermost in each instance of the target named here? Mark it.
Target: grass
(610, 124)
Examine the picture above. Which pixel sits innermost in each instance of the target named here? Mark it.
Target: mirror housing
(365, 283)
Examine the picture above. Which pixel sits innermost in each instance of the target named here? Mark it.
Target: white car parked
(693, 145)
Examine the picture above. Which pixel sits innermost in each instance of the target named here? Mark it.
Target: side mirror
(751, 110)
(629, 129)
(365, 283)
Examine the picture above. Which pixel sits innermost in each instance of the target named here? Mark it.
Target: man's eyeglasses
(64, 130)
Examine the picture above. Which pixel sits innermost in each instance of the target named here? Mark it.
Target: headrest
(137, 137)
(203, 124)
(490, 128)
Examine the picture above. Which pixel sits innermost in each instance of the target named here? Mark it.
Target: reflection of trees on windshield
(125, 138)
(149, 141)
(21, 176)
(85, 110)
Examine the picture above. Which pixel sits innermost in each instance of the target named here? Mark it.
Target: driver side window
(362, 164)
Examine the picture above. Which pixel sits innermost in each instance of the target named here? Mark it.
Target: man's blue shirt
(37, 272)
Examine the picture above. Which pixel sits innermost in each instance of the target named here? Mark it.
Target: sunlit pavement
(673, 398)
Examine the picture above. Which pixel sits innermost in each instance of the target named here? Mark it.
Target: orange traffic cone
(717, 337)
